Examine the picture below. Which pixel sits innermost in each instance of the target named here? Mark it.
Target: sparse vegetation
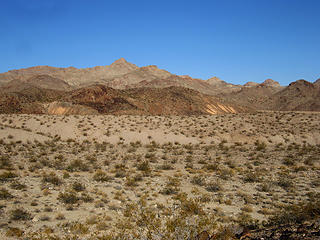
(172, 185)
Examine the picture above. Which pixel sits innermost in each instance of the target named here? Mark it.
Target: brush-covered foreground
(149, 177)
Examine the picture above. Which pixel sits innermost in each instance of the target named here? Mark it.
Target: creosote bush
(51, 178)
(68, 197)
(4, 194)
(7, 176)
(101, 176)
(20, 214)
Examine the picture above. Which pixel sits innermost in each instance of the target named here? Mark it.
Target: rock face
(65, 108)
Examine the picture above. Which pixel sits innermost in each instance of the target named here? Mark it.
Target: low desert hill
(298, 96)
(100, 99)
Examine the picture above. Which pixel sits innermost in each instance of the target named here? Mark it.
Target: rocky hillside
(100, 99)
(254, 95)
(298, 96)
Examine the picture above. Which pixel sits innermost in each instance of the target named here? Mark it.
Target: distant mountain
(300, 95)
(73, 76)
(270, 83)
(119, 75)
(251, 84)
(41, 81)
(221, 86)
(123, 87)
(254, 95)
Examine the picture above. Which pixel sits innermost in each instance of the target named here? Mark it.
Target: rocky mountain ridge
(44, 84)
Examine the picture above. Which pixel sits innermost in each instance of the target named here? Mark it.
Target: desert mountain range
(124, 88)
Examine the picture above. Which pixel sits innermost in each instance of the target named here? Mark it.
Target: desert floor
(99, 176)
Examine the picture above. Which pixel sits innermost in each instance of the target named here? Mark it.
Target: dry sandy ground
(79, 175)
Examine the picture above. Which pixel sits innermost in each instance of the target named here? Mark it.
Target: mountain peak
(270, 83)
(215, 81)
(123, 66)
(251, 84)
(301, 82)
(120, 60)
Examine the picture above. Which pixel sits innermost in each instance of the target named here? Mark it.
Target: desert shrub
(142, 221)
(289, 161)
(296, 213)
(14, 232)
(86, 197)
(198, 180)
(265, 187)
(5, 162)
(315, 182)
(51, 178)
(44, 218)
(60, 216)
(7, 176)
(211, 167)
(78, 187)
(4, 194)
(91, 158)
(68, 197)
(214, 186)
(101, 176)
(131, 182)
(79, 228)
(144, 166)
(19, 214)
(172, 187)
(245, 219)
(169, 190)
(120, 173)
(191, 207)
(309, 161)
(225, 173)
(252, 177)
(285, 183)
(247, 208)
(260, 146)
(77, 165)
(165, 166)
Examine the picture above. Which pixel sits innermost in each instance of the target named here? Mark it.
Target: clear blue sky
(236, 40)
